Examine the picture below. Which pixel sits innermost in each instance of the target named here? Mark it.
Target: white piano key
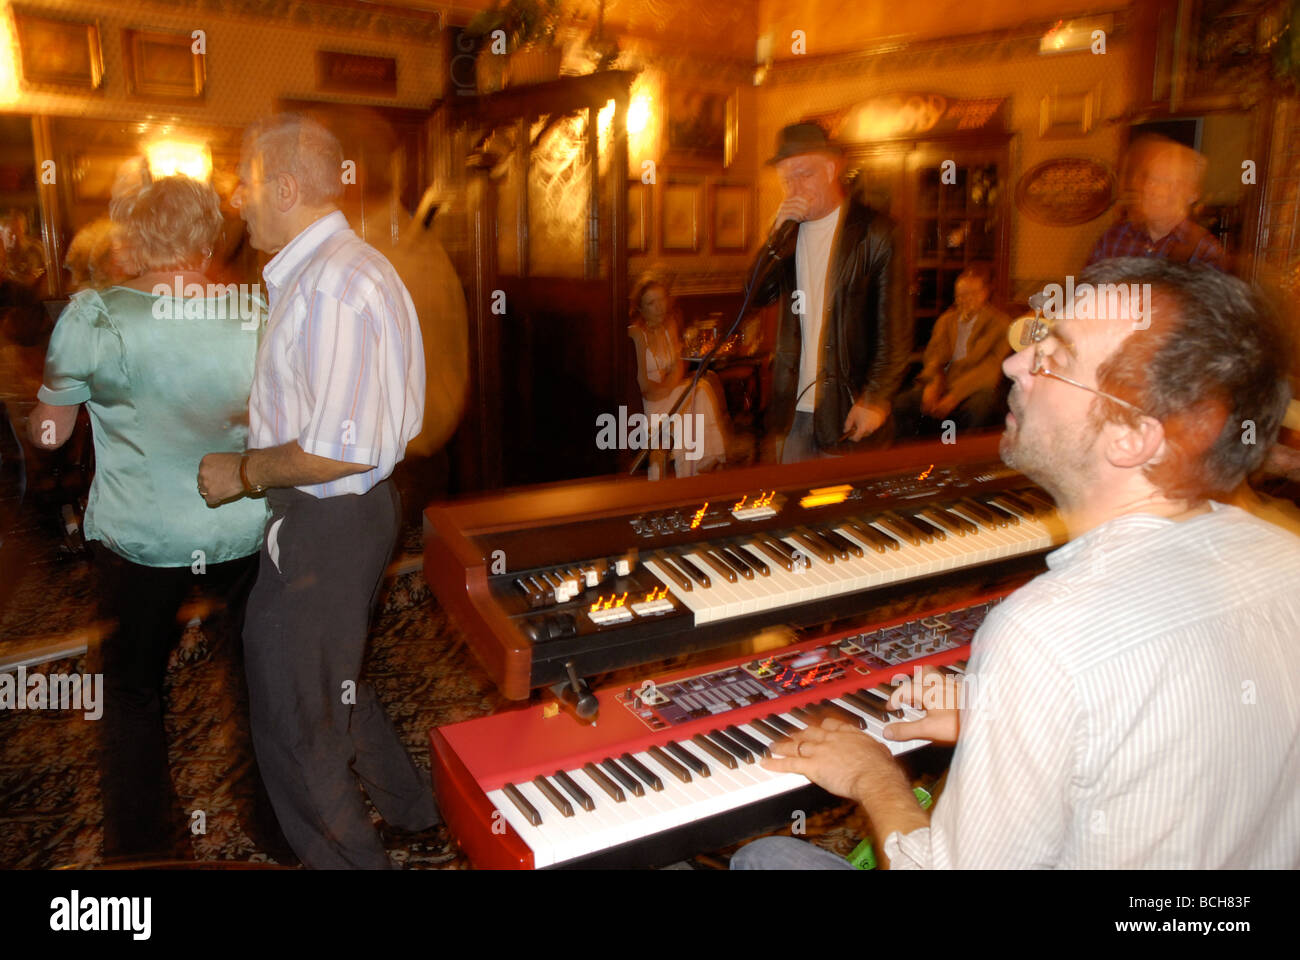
(726, 599)
(876, 730)
(692, 801)
(617, 825)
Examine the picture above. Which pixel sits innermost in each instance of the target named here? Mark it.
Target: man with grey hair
(1164, 179)
(338, 393)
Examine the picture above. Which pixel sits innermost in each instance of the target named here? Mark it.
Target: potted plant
(528, 31)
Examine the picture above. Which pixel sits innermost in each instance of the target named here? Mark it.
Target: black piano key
(670, 568)
(1006, 517)
(745, 740)
(715, 751)
(691, 760)
(980, 512)
(629, 783)
(1040, 500)
(899, 529)
(819, 536)
(949, 521)
(875, 538)
(731, 746)
(643, 773)
(766, 729)
(750, 554)
(521, 803)
(778, 556)
(910, 524)
(803, 715)
(1012, 504)
(815, 545)
(780, 545)
(734, 558)
(696, 574)
(966, 524)
(868, 704)
(883, 692)
(609, 786)
(717, 563)
(581, 796)
(553, 795)
(932, 531)
(842, 544)
(787, 729)
(669, 764)
(848, 716)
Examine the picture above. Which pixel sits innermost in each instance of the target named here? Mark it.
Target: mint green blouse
(165, 381)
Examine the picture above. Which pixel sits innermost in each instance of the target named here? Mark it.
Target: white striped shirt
(341, 365)
(1138, 705)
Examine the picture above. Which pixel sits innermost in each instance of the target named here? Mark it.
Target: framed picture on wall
(356, 73)
(65, 52)
(731, 217)
(95, 172)
(1063, 115)
(696, 125)
(638, 217)
(163, 65)
(681, 211)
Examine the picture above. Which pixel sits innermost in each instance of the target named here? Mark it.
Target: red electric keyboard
(672, 766)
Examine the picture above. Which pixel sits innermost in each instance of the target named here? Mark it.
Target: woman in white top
(662, 375)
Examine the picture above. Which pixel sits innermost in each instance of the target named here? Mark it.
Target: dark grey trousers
(316, 726)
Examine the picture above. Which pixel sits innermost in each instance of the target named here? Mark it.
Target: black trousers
(142, 818)
(316, 726)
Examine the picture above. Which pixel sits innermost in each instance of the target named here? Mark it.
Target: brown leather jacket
(867, 337)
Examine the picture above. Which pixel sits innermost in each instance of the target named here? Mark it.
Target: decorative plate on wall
(1066, 191)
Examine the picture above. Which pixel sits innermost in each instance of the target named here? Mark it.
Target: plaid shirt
(1186, 243)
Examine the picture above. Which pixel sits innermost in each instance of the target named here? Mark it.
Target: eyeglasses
(1036, 333)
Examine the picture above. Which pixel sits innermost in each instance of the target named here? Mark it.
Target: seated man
(1163, 183)
(1140, 701)
(962, 373)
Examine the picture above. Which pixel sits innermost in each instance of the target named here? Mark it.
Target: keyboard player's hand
(939, 696)
(836, 756)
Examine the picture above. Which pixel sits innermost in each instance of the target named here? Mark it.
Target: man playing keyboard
(1140, 700)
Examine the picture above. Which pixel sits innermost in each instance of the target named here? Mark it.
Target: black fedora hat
(798, 139)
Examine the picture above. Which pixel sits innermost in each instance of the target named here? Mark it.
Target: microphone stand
(757, 274)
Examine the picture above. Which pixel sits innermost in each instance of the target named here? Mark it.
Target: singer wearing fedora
(845, 331)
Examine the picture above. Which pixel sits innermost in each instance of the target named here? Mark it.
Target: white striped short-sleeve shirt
(1138, 705)
(341, 366)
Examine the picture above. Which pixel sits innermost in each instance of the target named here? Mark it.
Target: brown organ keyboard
(581, 578)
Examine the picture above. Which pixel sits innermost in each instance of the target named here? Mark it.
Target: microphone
(782, 236)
